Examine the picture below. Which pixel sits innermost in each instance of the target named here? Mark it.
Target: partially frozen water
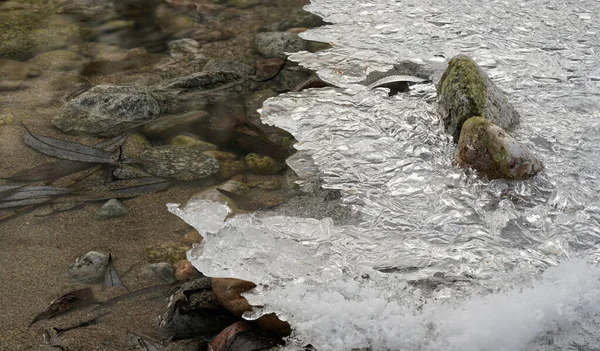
(489, 244)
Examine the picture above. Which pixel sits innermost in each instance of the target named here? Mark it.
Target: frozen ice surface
(440, 259)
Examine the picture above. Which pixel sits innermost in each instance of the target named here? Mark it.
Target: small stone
(89, 267)
(261, 164)
(184, 270)
(178, 162)
(168, 252)
(161, 271)
(111, 209)
(189, 141)
(175, 123)
(466, 91)
(491, 151)
(268, 68)
(192, 237)
(278, 44)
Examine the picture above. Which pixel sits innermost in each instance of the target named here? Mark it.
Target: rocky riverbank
(184, 79)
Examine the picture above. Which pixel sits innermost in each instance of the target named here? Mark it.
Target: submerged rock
(277, 44)
(111, 209)
(168, 252)
(107, 110)
(179, 162)
(89, 267)
(261, 164)
(465, 91)
(491, 151)
(161, 271)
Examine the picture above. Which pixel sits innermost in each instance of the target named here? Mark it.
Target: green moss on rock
(490, 150)
(188, 141)
(462, 93)
(261, 164)
(168, 252)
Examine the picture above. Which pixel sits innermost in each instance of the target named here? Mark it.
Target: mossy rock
(465, 91)
(261, 164)
(189, 141)
(168, 252)
(488, 149)
(24, 33)
(229, 168)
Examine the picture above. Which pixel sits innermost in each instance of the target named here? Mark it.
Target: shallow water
(417, 214)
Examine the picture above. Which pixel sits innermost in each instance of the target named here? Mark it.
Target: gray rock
(465, 91)
(111, 209)
(276, 44)
(242, 69)
(173, 124)
(490, 150)
(181, 163)
(161, 271)
(89, 267)
(107, 110)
